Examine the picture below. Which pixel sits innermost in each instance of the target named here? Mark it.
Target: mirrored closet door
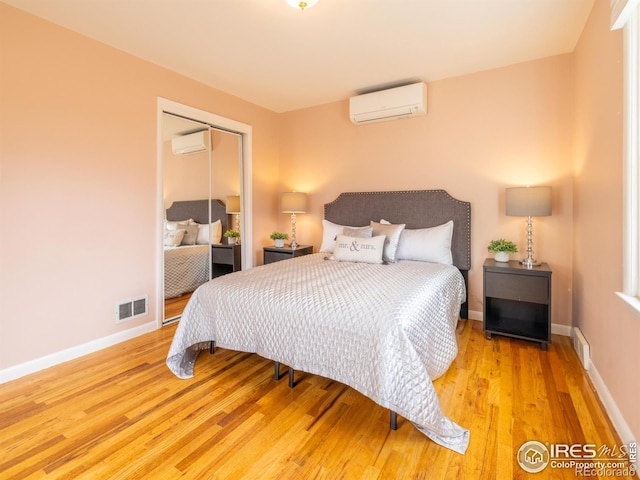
(201, 172)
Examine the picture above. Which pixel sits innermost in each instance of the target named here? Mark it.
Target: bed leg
(291, 382)
(276, 371)
(393, 420)
(212, 347)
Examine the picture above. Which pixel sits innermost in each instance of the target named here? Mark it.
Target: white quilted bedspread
(185, 269)
(385, 330)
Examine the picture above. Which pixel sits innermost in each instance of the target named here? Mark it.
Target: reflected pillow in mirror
(190, 234)
(175, 225)
(212, 230)
(173, 238)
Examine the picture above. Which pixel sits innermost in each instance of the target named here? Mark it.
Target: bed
(187, 261)
(385, 329)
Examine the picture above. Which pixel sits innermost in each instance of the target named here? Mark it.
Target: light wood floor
(120, 414)
(175, 306)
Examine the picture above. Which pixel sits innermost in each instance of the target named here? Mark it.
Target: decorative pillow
(356, 249)
(173, 238)
(190, 234)
(359, 232)
(211, 231)
(330, 231)
(427, 244)
(176, 225)
(392, 234)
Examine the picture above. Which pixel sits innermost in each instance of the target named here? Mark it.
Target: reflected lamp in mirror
(293, 202)
(233, 208)
(528, 202)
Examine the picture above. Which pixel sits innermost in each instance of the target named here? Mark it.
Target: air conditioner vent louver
(130, 309)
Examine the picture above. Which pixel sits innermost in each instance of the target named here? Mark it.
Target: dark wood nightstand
(225, 259)
(275, 254)
(517, 301)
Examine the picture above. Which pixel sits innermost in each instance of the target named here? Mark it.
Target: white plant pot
(232, 240)
(279, 242)
(501, 256)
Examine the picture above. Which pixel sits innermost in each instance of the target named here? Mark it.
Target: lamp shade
(293, 202)
(528, 201)
(233, 204)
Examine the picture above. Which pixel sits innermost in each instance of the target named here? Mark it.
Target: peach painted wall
(612, 330)
(78, 182)
(185, 176)
(483, 132)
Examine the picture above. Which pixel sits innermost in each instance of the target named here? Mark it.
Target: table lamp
(293, 202)
(528, 202)
(233, 207)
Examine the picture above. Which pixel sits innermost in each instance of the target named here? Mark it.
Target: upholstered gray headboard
(198, 210)
(417, 209)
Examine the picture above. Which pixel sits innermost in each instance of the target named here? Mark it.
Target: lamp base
(293, 245)
(530, 263)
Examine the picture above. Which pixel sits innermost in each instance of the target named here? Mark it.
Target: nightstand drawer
(270, 257)
(522, 288)
(225, 259)
(223, 256)
(276, 254)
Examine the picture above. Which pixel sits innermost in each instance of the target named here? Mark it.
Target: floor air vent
(581, 347)
(130, 309)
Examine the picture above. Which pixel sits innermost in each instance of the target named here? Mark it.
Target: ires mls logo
(586, 460)
(533, 456)
(577, 450)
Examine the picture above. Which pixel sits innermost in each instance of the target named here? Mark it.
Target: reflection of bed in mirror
(187, 239)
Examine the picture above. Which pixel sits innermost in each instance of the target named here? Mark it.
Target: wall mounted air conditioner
(399, 102)
(192, 143)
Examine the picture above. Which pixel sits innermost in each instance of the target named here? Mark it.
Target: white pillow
(356, 249)
(427, 244)
(173, 238)
(176, 225)
(330, 231)
(211, 231)
(392, 234)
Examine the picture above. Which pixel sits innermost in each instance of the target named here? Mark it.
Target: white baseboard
(56, 358)
(610, 406)
(556, 328)
(559, 329)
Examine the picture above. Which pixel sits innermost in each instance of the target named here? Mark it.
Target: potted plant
(501, 249)
(232, 236)
(279, 238)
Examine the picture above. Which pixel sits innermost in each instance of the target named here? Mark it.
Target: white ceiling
(283, 59)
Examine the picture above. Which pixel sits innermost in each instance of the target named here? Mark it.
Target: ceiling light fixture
(301, 4)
